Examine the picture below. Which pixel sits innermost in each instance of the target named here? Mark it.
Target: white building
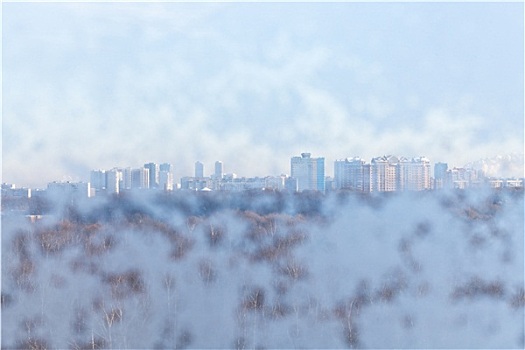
(383, 174)
(352, 174)
(219, 170)
(113, 179)
(195, 183)
(463, 177)
(514, 183)
(199, 169)
(125, 183)
(154, 172)
(275, 182)
(242, 184)
(309, 172)
(166, 177)
(413, 174)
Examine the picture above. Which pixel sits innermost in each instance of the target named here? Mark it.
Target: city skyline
(381, 173)
(124, 83)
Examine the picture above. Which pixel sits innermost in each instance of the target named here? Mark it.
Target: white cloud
(121, 84)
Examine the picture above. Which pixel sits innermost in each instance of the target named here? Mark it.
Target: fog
(252, 84)
(267, 270)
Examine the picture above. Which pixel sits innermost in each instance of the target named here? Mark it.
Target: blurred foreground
(267, 270)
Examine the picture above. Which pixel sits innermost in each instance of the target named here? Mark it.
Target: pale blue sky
(97, 85)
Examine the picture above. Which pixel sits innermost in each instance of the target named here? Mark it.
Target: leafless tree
(207, 272)
(254, 299)
(517, 300)
(125, 284)
(477, 287)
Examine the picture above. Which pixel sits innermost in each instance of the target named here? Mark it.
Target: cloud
(122, 84)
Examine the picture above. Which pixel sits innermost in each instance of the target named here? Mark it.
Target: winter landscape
(267, 270)
(262, 175)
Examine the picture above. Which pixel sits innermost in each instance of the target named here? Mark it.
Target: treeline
(203, 204)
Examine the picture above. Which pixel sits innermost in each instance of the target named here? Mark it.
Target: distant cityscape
(382, 174)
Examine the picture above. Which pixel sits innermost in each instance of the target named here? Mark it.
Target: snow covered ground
(414, 270)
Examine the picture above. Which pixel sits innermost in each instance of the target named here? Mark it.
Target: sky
(102, 85)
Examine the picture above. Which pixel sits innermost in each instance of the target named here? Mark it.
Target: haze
(98, 85)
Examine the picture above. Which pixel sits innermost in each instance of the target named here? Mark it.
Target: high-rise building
(309, 172)
(98, 179)
(140, 178)
(165, 177)
(125, 183)
(153, 174)
(383, 174)
(165, 167)
(219, 171)
(413, 174)
(440, 175)
(352, 174)
(199, 170)
(390, 173)
(113, 178)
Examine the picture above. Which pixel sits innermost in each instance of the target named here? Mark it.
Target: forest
(265, 269)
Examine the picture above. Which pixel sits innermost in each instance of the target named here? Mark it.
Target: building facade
(413, 174)
(153, 174)
(113, 179)
(10, 191)
(309, 172)
(125, 183)
(219, 170)
(140, 178)
(352, 174)
(440, 176)
(98, 179)
(199, 169)
(383, 174)
(463, 177)
(166, 177)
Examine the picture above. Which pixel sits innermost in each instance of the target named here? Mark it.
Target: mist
(253, 84)
(267, 270)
